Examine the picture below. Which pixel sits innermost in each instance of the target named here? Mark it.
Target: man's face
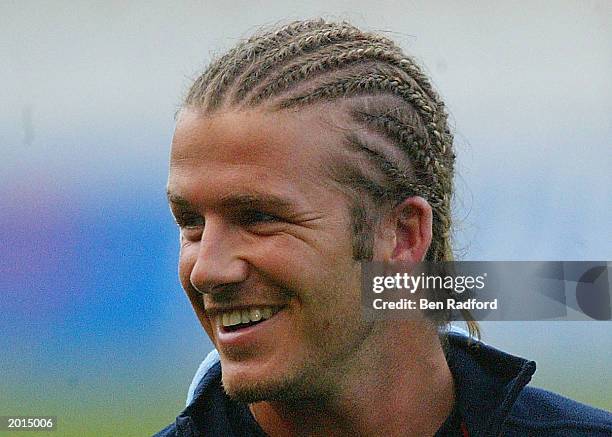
(265, 239)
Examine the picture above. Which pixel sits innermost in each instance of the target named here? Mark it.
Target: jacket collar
(487, 384)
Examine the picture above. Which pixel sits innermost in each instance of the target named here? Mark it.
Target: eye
(254, 217)
(189, 220)
(190, 224)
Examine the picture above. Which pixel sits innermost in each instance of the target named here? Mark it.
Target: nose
(219, 260)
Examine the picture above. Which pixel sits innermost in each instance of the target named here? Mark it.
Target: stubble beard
(316, 379)
(294, 385)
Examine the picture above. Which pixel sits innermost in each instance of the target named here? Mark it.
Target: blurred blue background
(94, 327)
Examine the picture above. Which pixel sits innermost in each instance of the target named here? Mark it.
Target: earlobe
(412, 220)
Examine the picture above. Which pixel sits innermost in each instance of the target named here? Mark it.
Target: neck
(402, 387)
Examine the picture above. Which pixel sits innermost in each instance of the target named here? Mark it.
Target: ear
(410, 226)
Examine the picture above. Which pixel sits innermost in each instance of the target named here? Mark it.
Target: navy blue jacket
(491, 400)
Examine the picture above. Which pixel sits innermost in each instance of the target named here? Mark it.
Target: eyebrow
(245, 200)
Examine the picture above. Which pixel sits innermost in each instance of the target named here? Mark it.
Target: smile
(242, 318)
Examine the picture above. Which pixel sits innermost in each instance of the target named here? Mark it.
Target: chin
(249, 391)
(290, 386)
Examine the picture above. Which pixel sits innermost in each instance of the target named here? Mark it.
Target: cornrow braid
(335, 57)
(232, 63)
(372, 83)
(401, 182)
(411, 139)
(341, 36)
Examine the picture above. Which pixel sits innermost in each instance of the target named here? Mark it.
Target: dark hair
(387, 96)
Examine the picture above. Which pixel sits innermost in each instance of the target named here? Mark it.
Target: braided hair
(386, 95)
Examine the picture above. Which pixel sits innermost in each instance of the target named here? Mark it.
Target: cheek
(187, 257)
(321, 273)
(287, 261)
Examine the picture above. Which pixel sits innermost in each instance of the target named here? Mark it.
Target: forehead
(275, 150)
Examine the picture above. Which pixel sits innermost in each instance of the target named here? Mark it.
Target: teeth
(237, 317)
(255, 315)
(225, 319)
(244, 316)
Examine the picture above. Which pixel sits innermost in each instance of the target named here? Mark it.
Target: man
(299, 154)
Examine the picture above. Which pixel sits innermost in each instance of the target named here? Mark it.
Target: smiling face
(266, 248)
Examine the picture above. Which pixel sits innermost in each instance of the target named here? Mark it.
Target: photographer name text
(426, 304)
